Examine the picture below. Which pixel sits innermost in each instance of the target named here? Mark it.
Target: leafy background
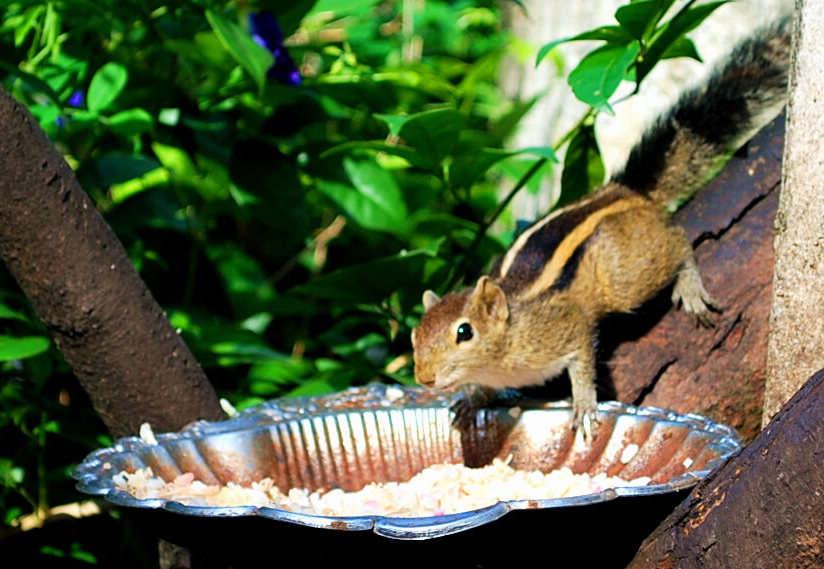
(289, 230)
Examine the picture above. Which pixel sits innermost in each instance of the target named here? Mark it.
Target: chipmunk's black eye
(464, 333)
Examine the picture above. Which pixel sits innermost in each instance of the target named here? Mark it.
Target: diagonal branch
(76, 274)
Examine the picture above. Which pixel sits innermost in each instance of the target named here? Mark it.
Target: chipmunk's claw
(585, 422)
(468, 401)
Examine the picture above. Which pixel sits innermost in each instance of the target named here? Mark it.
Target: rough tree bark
(76, 274)
(718, 372)
(799, 268)
(763, 509)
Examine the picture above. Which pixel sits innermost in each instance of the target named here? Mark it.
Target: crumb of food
(435, 491)
(227, 407)
(393, 393)
(147, 435)
(515, 412)
(629, 453)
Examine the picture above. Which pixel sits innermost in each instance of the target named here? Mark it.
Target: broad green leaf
(598, 75)
(583, 166)
(106, 85)
(433, 134)
(373, 200)
(471, 163)
(177, 162)
(640, 18)
(255, 59)
(18, 348)
(378, 187)
(118, 167)
(370, 282)
(610, 34)
(131, 122)
(668, 34)
(683, 47)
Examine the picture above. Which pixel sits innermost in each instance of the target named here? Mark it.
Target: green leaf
(176, 161)
(106, 85)
(131, 122)
(433, 134)
(583, 166)
(668, 34)
(7, 313)
(610, 34)
(379, 147)
(683, 47)
(33, 82)
(640, 18)
(118, 167)
(18, 348)
(600, 72)
(255, 59)
(472, 163)
(374, 281)
(373, 200)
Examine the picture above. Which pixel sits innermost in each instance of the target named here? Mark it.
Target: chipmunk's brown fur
(537, 312)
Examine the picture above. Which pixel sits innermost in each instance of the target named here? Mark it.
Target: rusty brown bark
(762, 509)
(718, 372)
(76, 274)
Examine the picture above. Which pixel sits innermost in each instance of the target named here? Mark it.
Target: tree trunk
(795, 350)
(762, 509)
(657, 357)
(76, 274)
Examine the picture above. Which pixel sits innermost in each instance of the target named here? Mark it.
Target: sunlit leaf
(255, 59)
(599, 74)
(18, 348)
(610, 34)
(106, 86)
(640, 18)
(131, 122)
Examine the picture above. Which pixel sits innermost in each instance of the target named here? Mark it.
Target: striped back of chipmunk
(546, 255)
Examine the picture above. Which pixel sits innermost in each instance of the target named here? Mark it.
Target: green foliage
(630, 50)
(288, 230)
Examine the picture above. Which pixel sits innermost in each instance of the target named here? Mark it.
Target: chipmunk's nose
(426, 381)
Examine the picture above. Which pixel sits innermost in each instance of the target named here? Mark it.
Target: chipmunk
(536, 314)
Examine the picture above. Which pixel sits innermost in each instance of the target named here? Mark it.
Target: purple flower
(266, 33)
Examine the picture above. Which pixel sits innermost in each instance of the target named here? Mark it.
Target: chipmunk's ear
(429, 299)
(489, 300)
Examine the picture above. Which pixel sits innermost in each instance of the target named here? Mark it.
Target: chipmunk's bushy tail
(687, 146)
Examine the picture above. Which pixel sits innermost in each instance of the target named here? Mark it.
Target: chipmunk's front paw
(584, 419)
(468, 400)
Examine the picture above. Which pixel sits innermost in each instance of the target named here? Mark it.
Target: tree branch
(76, 274)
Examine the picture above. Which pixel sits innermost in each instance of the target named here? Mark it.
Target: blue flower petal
(265, 30)
(77, 99)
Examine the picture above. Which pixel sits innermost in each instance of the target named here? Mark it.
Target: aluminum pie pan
(389, 433)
